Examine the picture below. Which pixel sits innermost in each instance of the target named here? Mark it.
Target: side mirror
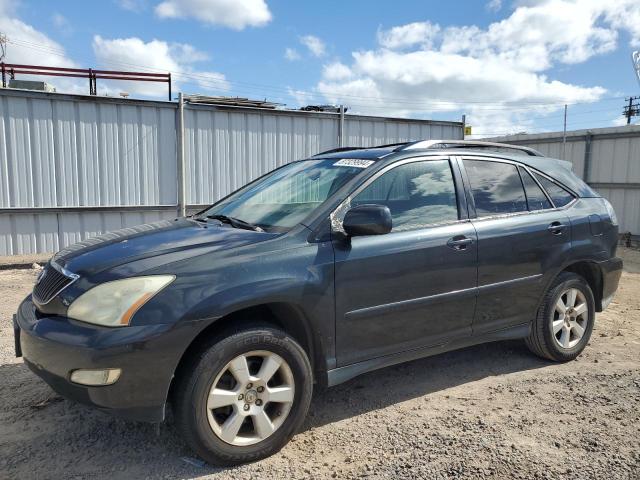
(367, 220)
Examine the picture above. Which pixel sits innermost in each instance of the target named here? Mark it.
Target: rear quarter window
(536, 198)
(559, 195)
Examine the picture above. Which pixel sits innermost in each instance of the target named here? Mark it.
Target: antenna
(635, 58)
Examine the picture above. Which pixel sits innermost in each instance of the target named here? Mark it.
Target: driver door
(415, 286)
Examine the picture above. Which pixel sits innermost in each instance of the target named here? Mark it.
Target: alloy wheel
(570, 318)
(250, 398)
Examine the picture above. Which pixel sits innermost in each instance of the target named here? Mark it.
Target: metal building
(74, 166)
(608, 159)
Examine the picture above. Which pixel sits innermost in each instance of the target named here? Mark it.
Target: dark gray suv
(349, 261)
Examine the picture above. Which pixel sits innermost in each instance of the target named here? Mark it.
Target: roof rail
(339, 149)
(467, 144)
(346, 149)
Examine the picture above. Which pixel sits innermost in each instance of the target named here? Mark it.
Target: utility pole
(635, 58)
(3, 46)
(632, 109)
(3, 54)
(564, 134)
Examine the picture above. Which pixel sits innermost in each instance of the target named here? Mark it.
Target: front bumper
(54, 346)
(611, 271)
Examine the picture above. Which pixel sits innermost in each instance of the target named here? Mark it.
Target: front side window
(558, 194)
(417, 194)
(496, 187)
(286, 196)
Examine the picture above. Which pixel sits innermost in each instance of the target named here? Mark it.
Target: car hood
(149, 240)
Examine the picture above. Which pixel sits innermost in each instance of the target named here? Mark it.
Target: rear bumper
(611, 271)
(53, 347)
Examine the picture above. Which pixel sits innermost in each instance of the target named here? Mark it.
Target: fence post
(586, 170)
(341, 128)
(181, 174)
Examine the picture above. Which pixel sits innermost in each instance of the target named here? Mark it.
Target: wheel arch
(285, 316)
(590, 271)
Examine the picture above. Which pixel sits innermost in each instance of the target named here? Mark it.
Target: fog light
(96, 378)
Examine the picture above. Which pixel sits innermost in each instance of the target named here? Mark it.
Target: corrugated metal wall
(607, 158)
(74, 166)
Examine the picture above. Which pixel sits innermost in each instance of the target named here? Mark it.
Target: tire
(562, 346)
(218, 362)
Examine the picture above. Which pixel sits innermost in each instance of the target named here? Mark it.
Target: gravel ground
(492, 411)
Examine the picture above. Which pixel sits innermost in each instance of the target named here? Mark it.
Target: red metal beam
(91, 74)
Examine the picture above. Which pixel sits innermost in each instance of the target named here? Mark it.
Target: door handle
(556, 228)
(459, 242)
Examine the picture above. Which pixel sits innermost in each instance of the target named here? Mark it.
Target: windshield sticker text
(353, 162)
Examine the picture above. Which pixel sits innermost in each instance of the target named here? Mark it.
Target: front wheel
(565, 319)
(243, 397)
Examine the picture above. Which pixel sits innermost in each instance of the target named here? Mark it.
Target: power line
(206, 80)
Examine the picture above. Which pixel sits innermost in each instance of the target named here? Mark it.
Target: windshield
(286, 196)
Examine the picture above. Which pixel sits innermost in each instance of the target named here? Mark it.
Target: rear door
(521, 238)
(415, 286)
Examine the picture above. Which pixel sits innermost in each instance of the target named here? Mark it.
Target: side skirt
(342, 374)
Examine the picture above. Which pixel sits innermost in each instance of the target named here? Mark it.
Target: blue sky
(510, 66)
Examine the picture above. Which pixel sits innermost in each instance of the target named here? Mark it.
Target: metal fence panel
(227, 149)
(61, 156)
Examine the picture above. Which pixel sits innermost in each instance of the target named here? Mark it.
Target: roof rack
(340, 149)
(346, 149)
(466, 144)
(440, 144)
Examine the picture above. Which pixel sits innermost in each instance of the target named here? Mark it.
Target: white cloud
(336, 71)
(132, 5)
(236, 14)
(536, 37)
(494, 5)
(291, 54)
(301, 97)
(26, 45)
(411, 34)
(61, 23)
(8, 7)
(215, 81)
(620, 121)
(625, 15)
(316, 46)
(502, 72)
(158, 56)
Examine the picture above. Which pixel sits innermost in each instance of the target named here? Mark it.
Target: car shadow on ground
(44, 433)
(391, 385)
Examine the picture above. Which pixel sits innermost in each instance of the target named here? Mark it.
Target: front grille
(50, 282)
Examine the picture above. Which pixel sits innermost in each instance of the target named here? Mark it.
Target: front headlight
(113, 304)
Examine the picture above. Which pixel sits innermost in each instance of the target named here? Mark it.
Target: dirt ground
(492, 411)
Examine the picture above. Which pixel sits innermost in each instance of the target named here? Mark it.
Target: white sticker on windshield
(353, 162)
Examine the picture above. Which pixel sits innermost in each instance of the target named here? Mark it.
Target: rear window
(559, 195)
(496, 187)
(536, 198)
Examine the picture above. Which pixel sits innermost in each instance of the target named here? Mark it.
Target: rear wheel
(243, 397)
(565, 319)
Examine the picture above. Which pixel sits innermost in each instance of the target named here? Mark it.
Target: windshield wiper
(236, 222)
